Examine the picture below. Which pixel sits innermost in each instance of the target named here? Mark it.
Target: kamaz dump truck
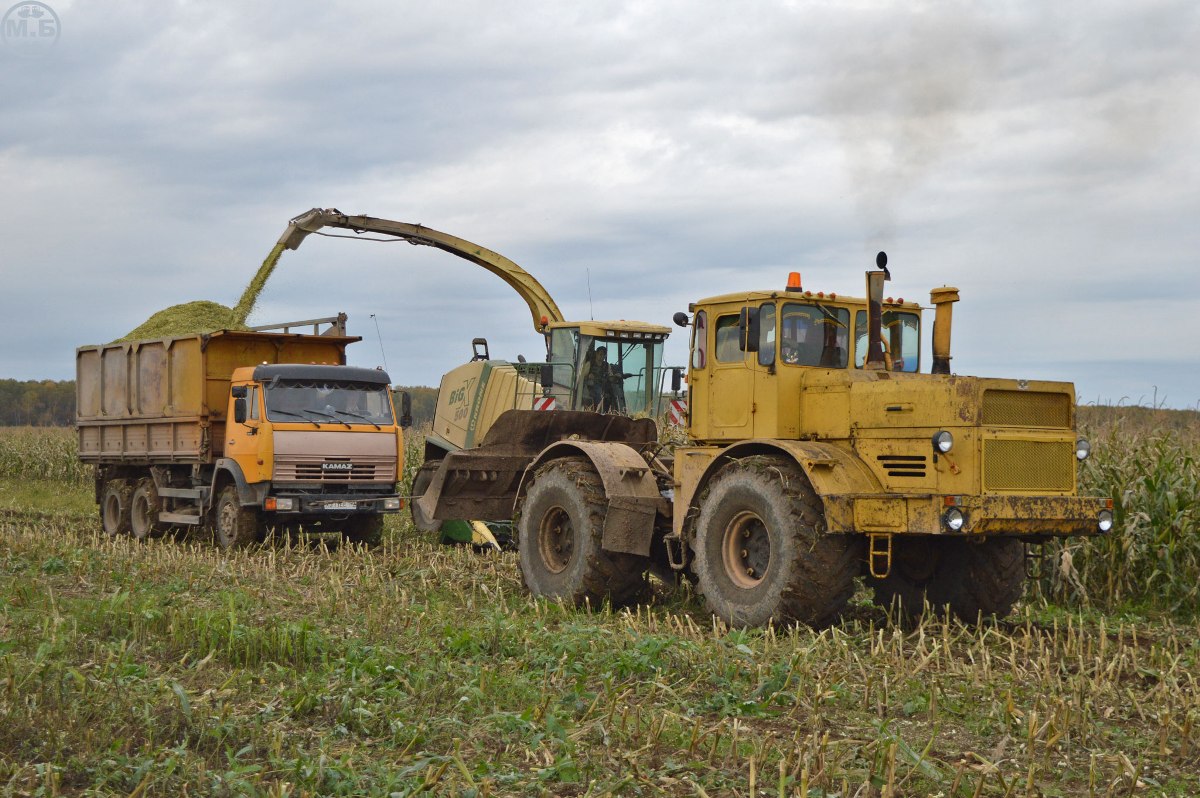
(239, 431)
(818, 452)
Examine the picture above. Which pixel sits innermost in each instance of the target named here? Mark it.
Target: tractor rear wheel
(979, 577)
(236, 526)
(560, 530)
(114, 507)
(761, 551)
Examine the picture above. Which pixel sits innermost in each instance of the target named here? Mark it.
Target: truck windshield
(607, 374)
(342, 402)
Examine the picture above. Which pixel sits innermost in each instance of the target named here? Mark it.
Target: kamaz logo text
(337, 466)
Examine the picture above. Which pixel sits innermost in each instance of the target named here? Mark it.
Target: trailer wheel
(364, 529)
(979, 577)
(761, 552)
(114, 507)
(236, 526)
(559, 537)
(420, 484)
(143, 510)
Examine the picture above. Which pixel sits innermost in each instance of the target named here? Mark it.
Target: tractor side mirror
(239, 409)
(405, 409)
(748, 330)
(680, 318)
(547, 375)
(676, 379)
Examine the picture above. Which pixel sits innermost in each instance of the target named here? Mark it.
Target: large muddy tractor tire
(420, 484)
(364, 529)
(114, 507)
(761, 551)
(143, 510)
(979, 578)
(559, 532)
(235, 526)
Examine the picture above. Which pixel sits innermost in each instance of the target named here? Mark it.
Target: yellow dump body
(165, 400)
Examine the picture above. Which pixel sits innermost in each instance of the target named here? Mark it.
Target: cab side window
(766, 335)
(700, 340)
(727, 339)
(252, 402)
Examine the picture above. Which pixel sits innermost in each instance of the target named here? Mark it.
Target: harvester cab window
(901, 340)
(766, 335)
(328, 402)
(814, 335)
(617, 374)
(727, 340)
(700, 340)
(566, 363)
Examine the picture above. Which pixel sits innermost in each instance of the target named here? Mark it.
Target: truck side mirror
(405, 409)
(547, 376)
(239, 408)
(676, 379)
(748, 330)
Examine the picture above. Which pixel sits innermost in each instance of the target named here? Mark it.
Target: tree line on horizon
(51, 403)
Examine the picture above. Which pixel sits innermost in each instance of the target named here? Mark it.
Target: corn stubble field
(170, 668)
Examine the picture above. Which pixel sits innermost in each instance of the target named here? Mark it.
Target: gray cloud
(1037, 156)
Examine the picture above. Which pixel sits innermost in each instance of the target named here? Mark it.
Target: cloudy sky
(1039, 156)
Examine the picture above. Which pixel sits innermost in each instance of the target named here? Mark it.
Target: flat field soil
(170, 668)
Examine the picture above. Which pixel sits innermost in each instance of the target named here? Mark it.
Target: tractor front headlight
(1082, 449)
(954, 519)
(943, 441)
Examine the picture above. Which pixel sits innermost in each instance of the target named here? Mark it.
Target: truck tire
(559, 538)
(979, 577)
(114, 507)
(364, 529)
(143, 510)
(761, 552)
(420, 484)
(235, 526)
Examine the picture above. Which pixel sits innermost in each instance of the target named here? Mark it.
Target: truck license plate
(340, 505)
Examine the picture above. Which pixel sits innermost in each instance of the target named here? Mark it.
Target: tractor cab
(606, 366)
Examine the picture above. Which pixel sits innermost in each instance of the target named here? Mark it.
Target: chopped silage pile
(202, 316)
(189, 318)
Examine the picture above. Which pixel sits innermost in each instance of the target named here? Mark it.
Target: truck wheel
(143, 510)
(914, 563)
(236, 526)
(114, 507)
(979, 578)
(420, 484)
(364, 529)
(559, 534)
(761, 551)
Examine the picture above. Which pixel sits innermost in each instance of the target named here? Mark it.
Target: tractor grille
(1026, 409)
(1028, 465)
(298, 468)
(903, 465)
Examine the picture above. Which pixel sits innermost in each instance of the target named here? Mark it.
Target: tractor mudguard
(629, 486)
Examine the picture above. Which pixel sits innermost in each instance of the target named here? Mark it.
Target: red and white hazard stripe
(677, 412)
(544, 403)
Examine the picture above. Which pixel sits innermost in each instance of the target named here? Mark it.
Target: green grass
(168, 668)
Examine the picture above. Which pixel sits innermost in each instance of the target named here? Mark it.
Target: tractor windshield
(327, 401)
(607, 374)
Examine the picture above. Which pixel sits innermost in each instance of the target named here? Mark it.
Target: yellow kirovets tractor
(819, 451)
(606, 370)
